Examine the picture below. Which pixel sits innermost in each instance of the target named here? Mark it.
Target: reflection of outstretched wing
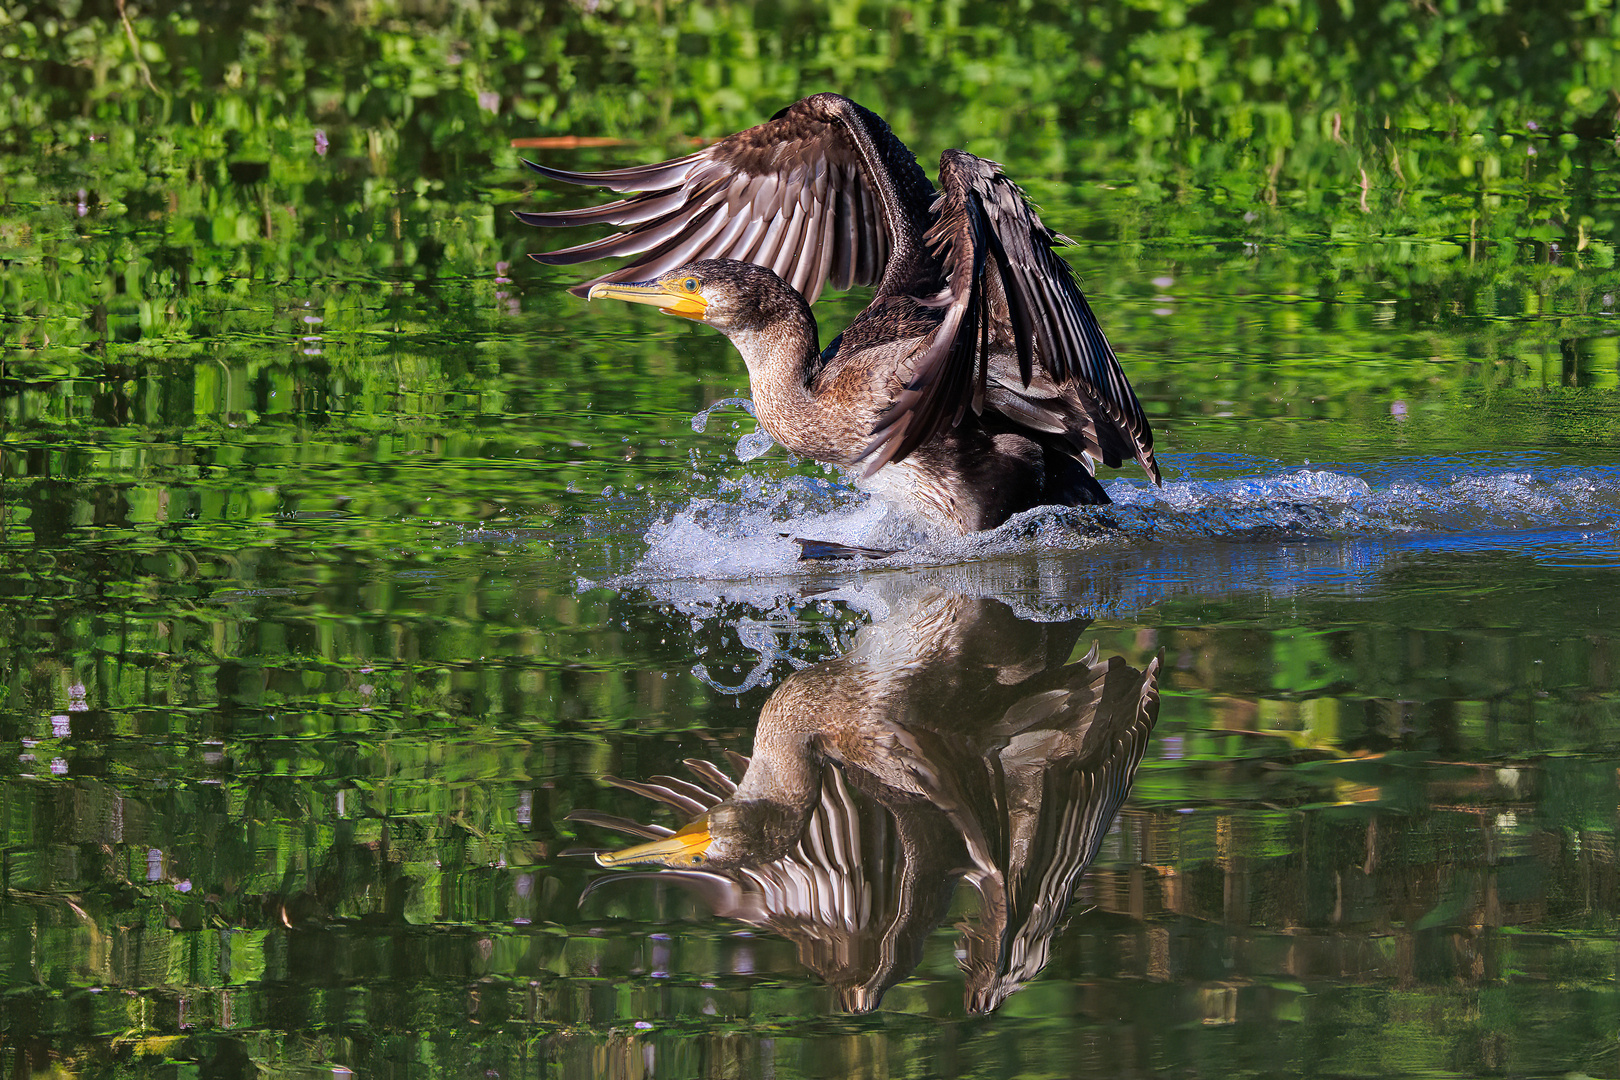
(1007, 294)
(846, 896)
(822, 191)
(954, 738)
(1067, 772)
(675, 793)
(813, 881)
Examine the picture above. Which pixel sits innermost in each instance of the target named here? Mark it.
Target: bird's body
(975, 385)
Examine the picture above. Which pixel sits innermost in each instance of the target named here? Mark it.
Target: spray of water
(745, 529)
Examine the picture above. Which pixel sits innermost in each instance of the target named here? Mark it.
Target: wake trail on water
(745, 529)
(727, 562)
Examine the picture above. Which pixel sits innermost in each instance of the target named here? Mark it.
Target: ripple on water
(746, 529)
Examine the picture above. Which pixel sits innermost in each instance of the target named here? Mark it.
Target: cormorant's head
(729, 295)
(744, 833)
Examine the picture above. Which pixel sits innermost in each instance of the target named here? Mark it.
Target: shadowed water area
(357, 582)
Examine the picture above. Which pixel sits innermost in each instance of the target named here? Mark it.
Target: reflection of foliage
(250, 389)
(1268, 128)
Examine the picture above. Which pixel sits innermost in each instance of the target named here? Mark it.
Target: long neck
(767, 814)
(781, 359)
(784, 769)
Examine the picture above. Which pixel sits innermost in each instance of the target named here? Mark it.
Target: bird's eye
(690, 284)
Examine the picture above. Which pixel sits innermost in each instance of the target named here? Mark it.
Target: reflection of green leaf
(1448, 912)
(1342, 197)
(1301, 660)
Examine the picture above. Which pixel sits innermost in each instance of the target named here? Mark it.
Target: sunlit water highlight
(745, 529)
(727, 561)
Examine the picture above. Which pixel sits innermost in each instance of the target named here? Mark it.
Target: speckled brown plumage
(978, 379)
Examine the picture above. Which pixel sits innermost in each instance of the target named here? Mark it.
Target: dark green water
(344, 554)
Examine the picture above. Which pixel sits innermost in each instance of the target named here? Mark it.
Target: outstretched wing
(822, 191)
(1065, 798)
(1007, 292)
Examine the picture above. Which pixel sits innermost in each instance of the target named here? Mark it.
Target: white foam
(745, 529)
(727, 561)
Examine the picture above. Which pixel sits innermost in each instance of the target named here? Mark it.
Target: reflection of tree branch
(135, 47)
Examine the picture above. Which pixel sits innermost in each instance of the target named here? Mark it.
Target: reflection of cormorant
(988, 754)
(978, 371)
(1063, 782)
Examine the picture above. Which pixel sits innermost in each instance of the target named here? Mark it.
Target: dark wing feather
(1007, 291)
(619, 824)
(702, 796)
(680, 797)
(1074, 793)
(1044, 300)
(711, 776)
(822, 191)
(944, 365)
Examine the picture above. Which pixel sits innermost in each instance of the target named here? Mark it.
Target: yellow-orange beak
(686, 847)
(678, 296)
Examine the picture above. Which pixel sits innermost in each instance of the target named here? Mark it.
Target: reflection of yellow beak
(686, 848)
(671, 299)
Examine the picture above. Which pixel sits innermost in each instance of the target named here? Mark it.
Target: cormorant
(976, 384)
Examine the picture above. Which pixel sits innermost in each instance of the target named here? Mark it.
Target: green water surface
(324, 516)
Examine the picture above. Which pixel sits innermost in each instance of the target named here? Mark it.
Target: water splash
(759, 637)
(700, 422)
(745, 530)
(727, 562)
(752, 445)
